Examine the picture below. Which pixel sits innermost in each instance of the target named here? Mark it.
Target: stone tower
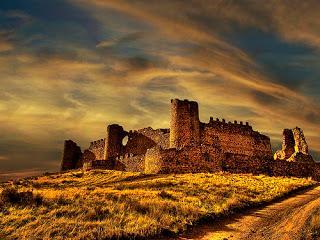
(184, 123)
(71, 156)
(113, 142)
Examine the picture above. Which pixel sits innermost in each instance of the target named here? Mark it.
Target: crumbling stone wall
(159, 136)
(300, 141)
(97, 148)
(141, 140)
(184, 124)
(294, 147)
(97, 164)
(71, 156)
(124, 156)
(130, 163)
(113, 143)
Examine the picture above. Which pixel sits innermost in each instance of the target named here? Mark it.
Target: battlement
(97, 144)
(126, 155)
(223, 121)
(229, 126)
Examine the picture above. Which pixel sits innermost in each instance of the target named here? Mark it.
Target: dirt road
(286, 219)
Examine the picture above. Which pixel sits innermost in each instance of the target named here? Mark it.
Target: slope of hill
(104, 204)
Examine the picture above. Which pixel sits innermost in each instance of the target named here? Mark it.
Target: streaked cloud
(67, 72)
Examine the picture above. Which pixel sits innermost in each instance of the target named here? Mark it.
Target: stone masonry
(191, 146)
(294, 147)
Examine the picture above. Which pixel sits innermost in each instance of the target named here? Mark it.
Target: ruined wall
(268, 166)
(113, 142)
(191, 159)
(141, 140)
(71, 158)
(287, 145)
(159, 136)
(184, 124)
(126, 157)
(97, 164)
(236, 138)
(204, 158)
(294, 169)
(300, 141)
(240, 163)
(294, 147)
(130, 163)
(97, 148)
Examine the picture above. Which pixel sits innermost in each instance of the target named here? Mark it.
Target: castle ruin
(294, 147)
(190, 146)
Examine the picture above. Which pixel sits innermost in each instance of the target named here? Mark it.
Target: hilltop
(104, 204)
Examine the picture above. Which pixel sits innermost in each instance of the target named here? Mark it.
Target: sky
(68, 68)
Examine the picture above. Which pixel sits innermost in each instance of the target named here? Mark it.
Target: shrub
(12, 196)
(166, 195)
(62, 200)
(98, 213)
(37, 199)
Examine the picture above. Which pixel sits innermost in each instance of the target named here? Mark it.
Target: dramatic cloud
(69, 67)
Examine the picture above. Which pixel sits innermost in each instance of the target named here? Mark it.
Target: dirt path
(285, 219)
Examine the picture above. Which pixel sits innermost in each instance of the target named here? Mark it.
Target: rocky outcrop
(294, 147)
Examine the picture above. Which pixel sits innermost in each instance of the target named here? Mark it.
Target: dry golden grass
(104, 204)
(313, 226)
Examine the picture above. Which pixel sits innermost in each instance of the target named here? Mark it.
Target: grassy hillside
(104, 204)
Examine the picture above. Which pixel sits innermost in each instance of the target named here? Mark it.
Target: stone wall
(159, 136)
(141, 140)
(300, 141)
(236, 138)
(240, 163)
(130, 163)
(294, 147)
(207, 159)
(97, 148)
(97, 164)
(138, 141)
(189, 159)
(71, 158)
(113, 143)
(294, 169)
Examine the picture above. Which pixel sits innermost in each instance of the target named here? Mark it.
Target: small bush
(37, 199)
(11, 195)
(166, 195)
(78, 175)
(62, 200)
(98, 213)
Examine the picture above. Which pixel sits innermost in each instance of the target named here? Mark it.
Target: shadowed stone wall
(71, 158)
(189, 159)
(97, 148)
